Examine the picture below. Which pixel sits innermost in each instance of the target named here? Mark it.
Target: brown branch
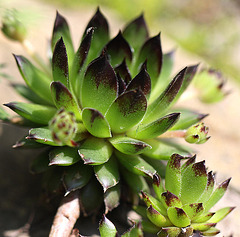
(66, 216)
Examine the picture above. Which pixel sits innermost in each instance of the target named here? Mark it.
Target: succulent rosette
(101, 110)
(181, 208)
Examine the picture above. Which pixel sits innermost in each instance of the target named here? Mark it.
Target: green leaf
(187, 119)
(169, 232)
(203, 218)
(61, 30)
(202, 226)
(211, 232)
(26, 143)
(107, 174)
(40, 114)
(107, 228)
(156, 128)
(36, 80)
(112, 198)
(194, 181)
(193, 210)
(40, 163)
(134, 231)
(123, 71)
(76, 176)
(217, 194)
(118, 49)
(178, 217)
(135, 164)
(159, 106)
(99, 88)
(136, 27)
(100, 36)
(60, 63)
(126, 111)
(42, 135)
(63, 156)
(96, 123)
(129, 145)
(220, 214)
(173, 175)
(95, 151)
(63, 98)
(149, 227)
(152, 52)
(4, 115)
(168, 199)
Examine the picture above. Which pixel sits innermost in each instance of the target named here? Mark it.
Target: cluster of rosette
(99, 111)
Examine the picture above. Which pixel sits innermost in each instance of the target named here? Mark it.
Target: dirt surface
(19, 189)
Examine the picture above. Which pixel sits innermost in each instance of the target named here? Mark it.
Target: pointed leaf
(136, 27)
(42, 135)
(152, 52)
(178, 217)
(112, 198)
(107, 174)
(63, 98)
(159, 106)
(194, 181)
(27, 143)
(95, 151)
(203, 217)
(36, 80)
(76, 176)
(211, 232)
(173, 175)
(168, 199)
(158, 185)
(193, 210)
(129, 145)
(217, 194)
(202, 226)
(134, 231)
(142, 82)
(121, 85)
(61, 29)
(40, 163)
(63, 156)
(100, 36)
(107, 228)
(99, 88)
(126, 111)
(123, 71)
(60, 63)
(155, 128)
(135, 164)
(118, 49)
(220, 214)
(40, 114)
(169, 232)
(187, 119)
(96, 123)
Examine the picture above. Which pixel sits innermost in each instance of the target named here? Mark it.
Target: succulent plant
(181, 208)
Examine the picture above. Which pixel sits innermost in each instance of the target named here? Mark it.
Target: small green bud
(64, 127)
(12, 27)
(197, 134)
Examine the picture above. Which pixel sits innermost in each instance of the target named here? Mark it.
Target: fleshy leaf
(152, 52)
(178, 217)
(60, 63)
(61, 29)
(76, 176)
(112, 198)
(126, 111)
(107, 228)
(173, 175)
(121, 85)
(118, 49)
(220, 214)
(156, 128)
(134, 231)
(63, 98)
(107, 174)
(193, 210)
(40, 114)
(100, 36)
(202, 226)
(187, 119)
(158, 186)
(142, 82)
(95, 151)
(42, 135)
(169, 232)
(129, 145)
(135, 164)
(203, 218)
(63, 156)
(123, 71)
(194, 181)
(170, 200)
(149, 227)
(138, 28)
(36, 80)
(211, 232)
(96, 123)
(25, 143)
(99, 88)
(158, 107)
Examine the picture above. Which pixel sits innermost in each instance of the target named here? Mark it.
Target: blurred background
(206, 32)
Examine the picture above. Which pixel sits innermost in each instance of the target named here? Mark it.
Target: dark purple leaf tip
(156, 179)
(199, 169)
(175, 161)
(210, 180)
(123, 71)
(121, 84)
(60, 22)
(224, 184)
(180, 212)
(198, 207)
(190, 161)
(152, 210)
(169, 198)
(60, 88)
(102, 220)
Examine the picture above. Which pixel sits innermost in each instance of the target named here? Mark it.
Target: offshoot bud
(63, 126)
(210, 83)
(197, 133)
(12, 27)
